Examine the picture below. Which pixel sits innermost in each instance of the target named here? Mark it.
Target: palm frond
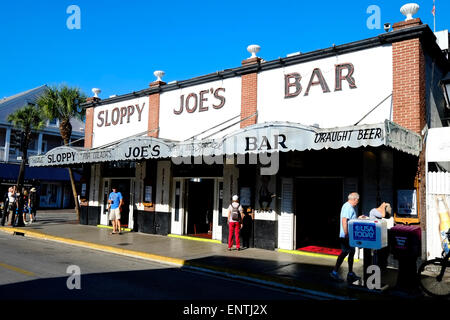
(27, 118)
(62, 103)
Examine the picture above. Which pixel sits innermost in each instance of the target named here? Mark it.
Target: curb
(312, 254)
(100, 247)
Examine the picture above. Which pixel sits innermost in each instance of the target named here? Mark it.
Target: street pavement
(35, 269)
(307, 274)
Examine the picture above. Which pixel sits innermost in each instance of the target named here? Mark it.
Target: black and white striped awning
(260, 138)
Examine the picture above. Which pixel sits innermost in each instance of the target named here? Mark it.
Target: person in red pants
(235, 216)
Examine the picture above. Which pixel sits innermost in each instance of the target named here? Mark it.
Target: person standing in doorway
(115, 201)
(235, 216)
(348, 212)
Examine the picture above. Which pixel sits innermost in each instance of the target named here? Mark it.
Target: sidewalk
(307, 274)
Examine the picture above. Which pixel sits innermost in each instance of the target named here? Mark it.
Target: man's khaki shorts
(114, 214)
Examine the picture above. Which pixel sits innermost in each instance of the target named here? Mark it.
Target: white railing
(438, 183)
(438, 189)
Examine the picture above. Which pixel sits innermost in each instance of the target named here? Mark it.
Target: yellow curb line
(311, 254)
(16, 269)
(89, 245)
(109, 227)
(194, 238)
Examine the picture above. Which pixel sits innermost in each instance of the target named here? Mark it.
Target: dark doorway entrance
(123, 186)
(200, 206)
(318, 205)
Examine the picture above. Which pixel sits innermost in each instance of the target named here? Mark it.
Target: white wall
(131, 124)
(373, 78)
(182, 126)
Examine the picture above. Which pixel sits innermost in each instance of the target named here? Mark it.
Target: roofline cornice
(422, 32)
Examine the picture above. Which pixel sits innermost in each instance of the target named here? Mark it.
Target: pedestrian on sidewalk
(32, 204)
(115, 201)
(25, 208)
(5, 211)
(12, 206)
(247, 228)
(235, 216)
(348, 212)
(383, 211)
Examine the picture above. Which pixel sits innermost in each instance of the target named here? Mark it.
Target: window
(53, 122)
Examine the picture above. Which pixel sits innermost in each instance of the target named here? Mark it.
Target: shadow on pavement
(159, 284)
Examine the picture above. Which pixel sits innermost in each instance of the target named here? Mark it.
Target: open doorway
(200, 207)
(318, 204)
(123, 186)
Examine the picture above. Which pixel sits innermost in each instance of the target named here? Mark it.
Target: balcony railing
(14, 154)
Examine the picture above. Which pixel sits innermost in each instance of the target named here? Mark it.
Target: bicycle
(434, 275)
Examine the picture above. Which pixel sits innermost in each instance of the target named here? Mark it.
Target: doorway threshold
(109, 227)
(311, 254)
(194, 238)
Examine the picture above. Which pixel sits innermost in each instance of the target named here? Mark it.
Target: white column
(7, 144)
(286, 219)
(39, 150)
(164, 177)
(94, 190)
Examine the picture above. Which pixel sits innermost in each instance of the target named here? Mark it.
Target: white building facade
(292, 137)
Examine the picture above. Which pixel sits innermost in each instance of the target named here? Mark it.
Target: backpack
(235, 214)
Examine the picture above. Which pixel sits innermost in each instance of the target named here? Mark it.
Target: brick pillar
(409, 80)
(249, 92)
(153, 112)
(89, 126)
(409, 105)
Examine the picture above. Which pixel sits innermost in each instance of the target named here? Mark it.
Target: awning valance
(285, 136)
(136, 148)
(259, 138)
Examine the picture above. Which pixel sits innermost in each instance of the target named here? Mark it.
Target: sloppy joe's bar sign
(189, 111)
(119, 115)
(260, 138)
(285, 137)
(202, 101)
(330, 92)
(114, 122)
(130, 149)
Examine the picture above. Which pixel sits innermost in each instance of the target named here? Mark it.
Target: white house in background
(53, 184)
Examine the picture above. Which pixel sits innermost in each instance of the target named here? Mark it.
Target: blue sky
(121, 43)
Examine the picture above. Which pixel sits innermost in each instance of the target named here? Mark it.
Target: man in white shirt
(348, 212)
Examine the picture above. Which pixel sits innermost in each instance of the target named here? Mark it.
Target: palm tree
(25, 119)
(63, 103)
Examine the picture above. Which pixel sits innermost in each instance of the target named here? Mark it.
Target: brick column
(409, 80)
(409, 104)
(249, 92)
(153, 111)
(89, 126)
